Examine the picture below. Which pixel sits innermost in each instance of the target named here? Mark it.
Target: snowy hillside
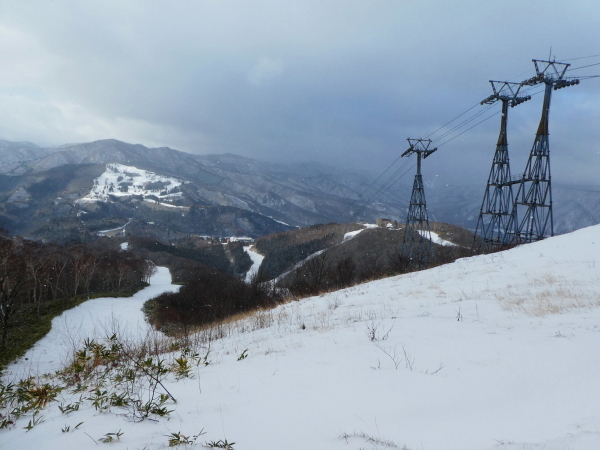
(497, 351)
(120, 181)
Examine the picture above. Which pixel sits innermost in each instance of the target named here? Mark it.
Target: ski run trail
(257, 260)
(498, 351)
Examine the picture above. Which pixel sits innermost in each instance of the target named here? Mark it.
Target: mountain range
(48, 193)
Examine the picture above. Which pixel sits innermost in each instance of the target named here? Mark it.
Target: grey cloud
(344, 82)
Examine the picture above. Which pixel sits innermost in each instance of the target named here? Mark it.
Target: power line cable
(450, 121)
(480, 122)
(390, 180)
(463, 123)
(383, 186)
(582, 67)
(389, 183)
(581, 57)
(368, 187)
(470, 128)
(395, 181)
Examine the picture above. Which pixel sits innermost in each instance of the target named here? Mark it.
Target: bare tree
(13, 280)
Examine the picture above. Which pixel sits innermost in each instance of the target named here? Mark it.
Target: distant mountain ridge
(297, 194)
(14, 154)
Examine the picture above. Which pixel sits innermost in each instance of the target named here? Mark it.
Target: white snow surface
(115, 229)
(298, 265)
(121, 181)
(150, 200)
(240, 238)
(352, 234)
(257, 260)
(90, 319)
(436, 239)
(496, 351)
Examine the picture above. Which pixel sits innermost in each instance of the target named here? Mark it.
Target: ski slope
(93, 318)
(123, 181)
(257, 260)
(497, 351)
(436, 239)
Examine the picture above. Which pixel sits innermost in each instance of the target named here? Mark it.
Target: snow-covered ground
(436, 239)
(149, 200)
(240, 238)
(257, 260)
(298, 265)
(352, 234)
(121, 181)
(114, 230)
(93, 318)
(498, 351)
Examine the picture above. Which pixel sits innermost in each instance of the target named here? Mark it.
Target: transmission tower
(497, 205)
(416, 244)
(533, 202)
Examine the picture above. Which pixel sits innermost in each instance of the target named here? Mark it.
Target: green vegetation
(107, 375)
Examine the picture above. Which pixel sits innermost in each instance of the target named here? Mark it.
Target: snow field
(352, 234)
(257, 260)
(436, 239)
(94, 318)
(137, 180)
(497, 351)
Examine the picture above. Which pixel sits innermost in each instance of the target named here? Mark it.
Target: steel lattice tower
(533, 202)
(497, 204)
(416, 244)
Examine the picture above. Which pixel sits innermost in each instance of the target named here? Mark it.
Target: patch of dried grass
(552, 300)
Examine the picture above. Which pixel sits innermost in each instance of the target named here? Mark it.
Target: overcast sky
(341, 81)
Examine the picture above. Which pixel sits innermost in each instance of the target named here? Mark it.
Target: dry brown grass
(555, 299)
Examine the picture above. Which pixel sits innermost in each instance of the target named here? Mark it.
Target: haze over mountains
(223, 194)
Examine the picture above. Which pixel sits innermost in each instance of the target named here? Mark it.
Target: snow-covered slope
(498, 351)
(121, 181)
(93, 318)
(436, 239)
(257, 260)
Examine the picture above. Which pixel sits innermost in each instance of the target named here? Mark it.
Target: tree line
(208, 299)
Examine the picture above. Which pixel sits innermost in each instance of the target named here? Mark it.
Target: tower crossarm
(506, 91)
(550, 72)
(420, 146)
(428, 152)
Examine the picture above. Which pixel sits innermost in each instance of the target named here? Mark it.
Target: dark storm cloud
(336, 81)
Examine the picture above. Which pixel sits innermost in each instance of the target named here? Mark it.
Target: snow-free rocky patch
(498, 351)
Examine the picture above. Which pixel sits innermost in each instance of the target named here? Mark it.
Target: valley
(252, 295)
(66, 194)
